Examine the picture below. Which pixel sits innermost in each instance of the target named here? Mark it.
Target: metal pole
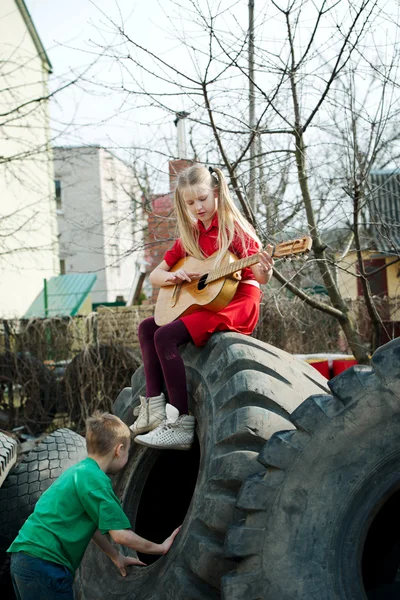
(46, 301)
(252, 124)
(47, 329)
(181, 133)
(10, 388)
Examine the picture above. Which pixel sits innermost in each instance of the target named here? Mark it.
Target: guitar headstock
(293, 247)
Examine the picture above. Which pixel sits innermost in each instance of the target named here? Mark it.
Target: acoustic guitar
(215, 288)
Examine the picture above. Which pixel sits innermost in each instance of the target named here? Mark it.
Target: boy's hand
(122, 562)
(166, 545)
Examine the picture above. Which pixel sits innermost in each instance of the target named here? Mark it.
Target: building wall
(346, 278)
(123, 226)
(99, 225)
(86, 306)
(393, 278)
(161, 234)
(162, 230)
(28, 245)
(80, 221)
(348, 282)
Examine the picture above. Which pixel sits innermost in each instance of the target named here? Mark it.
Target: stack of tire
(24, 483)
(291, 491)
(8, 455)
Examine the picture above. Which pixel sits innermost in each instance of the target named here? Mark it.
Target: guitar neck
(233, 267)
(290, 248)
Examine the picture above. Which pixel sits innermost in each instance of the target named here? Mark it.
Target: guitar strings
(226, 270)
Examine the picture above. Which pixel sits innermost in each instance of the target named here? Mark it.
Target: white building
(100, 220)
(28, 227)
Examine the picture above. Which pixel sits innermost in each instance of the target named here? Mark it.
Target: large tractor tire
(8, 455)
(27, 482)
(322, 517)
(241, 391)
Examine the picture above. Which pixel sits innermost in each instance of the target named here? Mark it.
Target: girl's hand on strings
(181, 275)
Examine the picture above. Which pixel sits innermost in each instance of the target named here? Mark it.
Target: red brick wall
(161, 233)
(162, 223)
(175, 167)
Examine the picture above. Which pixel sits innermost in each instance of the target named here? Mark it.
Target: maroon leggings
(162, 361)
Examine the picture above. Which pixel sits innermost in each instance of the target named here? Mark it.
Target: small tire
(322, 516)
(8, 455)
(26, 483)
(240, 391)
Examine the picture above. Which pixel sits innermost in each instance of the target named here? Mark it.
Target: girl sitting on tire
(208, 222)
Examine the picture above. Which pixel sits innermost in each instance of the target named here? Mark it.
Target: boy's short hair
(104, 431)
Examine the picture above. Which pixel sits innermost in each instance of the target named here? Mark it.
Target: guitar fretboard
(290, 248)
(233, 267)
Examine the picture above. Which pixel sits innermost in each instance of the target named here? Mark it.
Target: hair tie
(211, 170)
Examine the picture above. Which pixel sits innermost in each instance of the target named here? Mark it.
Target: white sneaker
(175, 433)
(150, 413)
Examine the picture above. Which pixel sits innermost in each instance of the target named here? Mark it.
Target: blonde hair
(197, 180)
(104, 431)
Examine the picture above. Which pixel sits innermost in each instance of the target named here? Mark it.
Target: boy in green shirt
(79, 506)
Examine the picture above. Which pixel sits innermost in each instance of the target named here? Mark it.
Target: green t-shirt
(66, 516)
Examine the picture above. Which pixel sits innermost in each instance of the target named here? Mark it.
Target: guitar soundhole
(202, 282)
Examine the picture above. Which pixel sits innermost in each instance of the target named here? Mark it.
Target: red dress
(241, 314)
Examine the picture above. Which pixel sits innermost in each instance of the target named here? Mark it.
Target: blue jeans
(37, 579)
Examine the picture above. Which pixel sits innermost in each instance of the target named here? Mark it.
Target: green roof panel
(65, 296)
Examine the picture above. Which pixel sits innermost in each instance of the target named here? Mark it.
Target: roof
(384, 210)
(65, 295)
(34, 34)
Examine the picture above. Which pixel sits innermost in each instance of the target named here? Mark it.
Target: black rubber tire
(322, 516)
(8, 455)
(241, 391)
(26, 483)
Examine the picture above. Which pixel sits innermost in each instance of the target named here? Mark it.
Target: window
(57, 185)
(377, 277)
(62, 267)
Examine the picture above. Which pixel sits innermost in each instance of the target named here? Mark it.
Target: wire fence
(55, 372)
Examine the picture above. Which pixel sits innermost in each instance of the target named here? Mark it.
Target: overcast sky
(71, 32)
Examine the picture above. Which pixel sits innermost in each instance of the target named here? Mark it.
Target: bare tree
(307, 55)
(368, 137)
